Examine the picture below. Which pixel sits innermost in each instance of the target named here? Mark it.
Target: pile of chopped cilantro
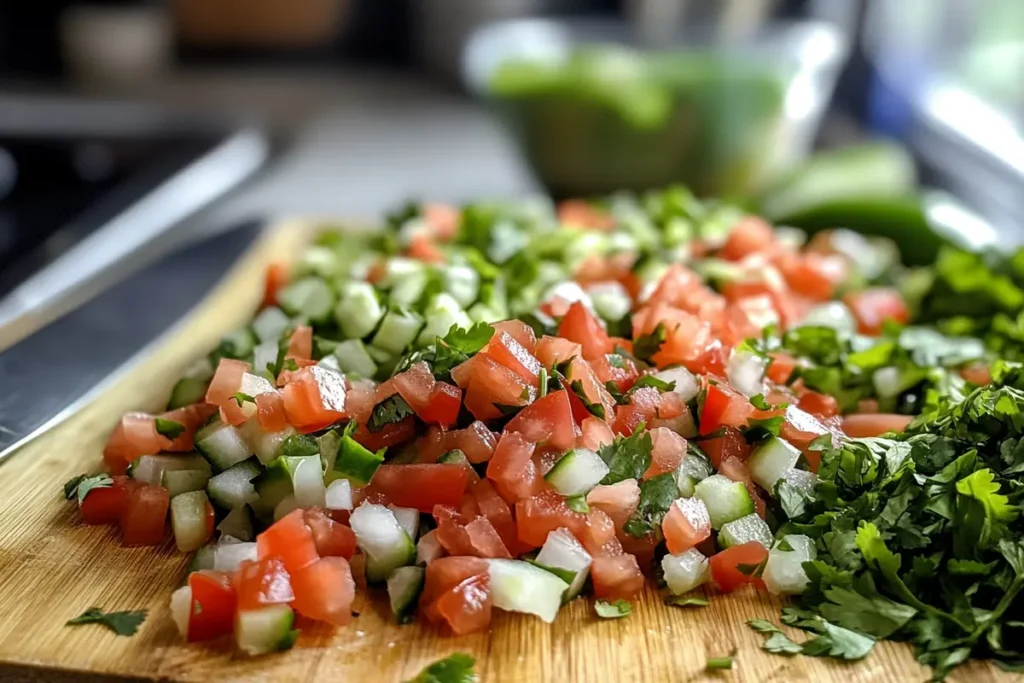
(920, 537)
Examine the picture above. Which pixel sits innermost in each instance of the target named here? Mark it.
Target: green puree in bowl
(609, 118)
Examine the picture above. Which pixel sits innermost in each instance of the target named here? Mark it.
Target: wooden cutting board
(53, 567)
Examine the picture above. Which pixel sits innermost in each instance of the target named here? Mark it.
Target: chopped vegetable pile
(510, 406)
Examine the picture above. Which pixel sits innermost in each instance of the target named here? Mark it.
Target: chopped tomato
(442, 219)
(669, 450)
(212, 612)
(105, 505)
(476, 441)
(872, 307)
(817, 404)
(750, 235)
(390, 435)
(617, 369)
(423, 248)
(421, 486)
(276, 278)
(616, 577)
(263, 583)
(619, 500)
(270, 412)
(815, 276)
(143, 520)
(314, 398)
(227, 380)
(874, 424)
(300, 345)
(536, 517)
(554, 350)
(489, 504)
(434, 402)
(490, 384)
(289, 540)
(548, 419)
(331, 538)
(801, 428)
(642, 409)
(485, 540)
(446, 573)
(730, 443)
(444, 405)
(505, 350)
(324, 590)
(519, 331)
(512, 470)
(723, 408)
(451, 532)
(582, 214)
(582, 376)
(581, 326)
(466, 607)
(781, 367)
(641, 548)
(595, 433)
(685, 525)
(725, 565)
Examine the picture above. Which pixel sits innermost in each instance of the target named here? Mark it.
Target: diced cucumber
(441, 314)
(272, 486)
(801, 479)
(745, 529)
(693, 469)
(428, 548)
(234, 344)
(562, 551)
(355, 462)
(745, 371)
(685, 383)
(307, 479)
(339, 495)
(181, 609)
(725, 499)
(404, 587)
(784, 572)
(266, 355)
(309, 298)
(329, 443)
(354, 361)
(379, 535)
(188, 519)
(182, 481)
(266, 445)
(233, 487)
(577, 472)
(299, 445)
(228, 556)
(397, 331)
(330, 362)
(834, 314)
(685, 571)
(203, 559)
(771, 460)
(222, 445)
(408, 290)
(611, 300)
(399, 268)
(238, 524)
(319, 260)
(408, 519)
(269, 325)
(519, 586)
(150, 468)
(265, 630)
(463, 283)
(383, 359)
(186, 391)
(358, 311)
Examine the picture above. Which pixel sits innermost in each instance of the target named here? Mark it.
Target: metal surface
(50, 373)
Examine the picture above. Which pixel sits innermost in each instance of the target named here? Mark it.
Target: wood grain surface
(53, 567)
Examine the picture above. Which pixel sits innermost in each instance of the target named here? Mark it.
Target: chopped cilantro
(169, 428)
(656, 496)
(241, 397)
(455, 668)
(391, 410)
(595, 408)
(628, 457)
(613, 610)
(121, 623)
(647, 345)
(652, 381)
(80, 486)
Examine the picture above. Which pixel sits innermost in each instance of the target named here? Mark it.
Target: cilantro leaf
(683, 601)
(391, 410)
(628, 457)
(468, 341)
(595, 408)
(121, 623)
(647, 345)
(242, 397)
(656, 496)
(779, 643)
(652, 381)
(71, 486)
(86, 484)
(455, 668)
(759, 402)
(613, 610)
(169, 428)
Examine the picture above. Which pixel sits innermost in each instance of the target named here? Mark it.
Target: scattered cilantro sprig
(121, 623)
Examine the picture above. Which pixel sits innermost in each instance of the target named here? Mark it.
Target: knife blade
(48, 375)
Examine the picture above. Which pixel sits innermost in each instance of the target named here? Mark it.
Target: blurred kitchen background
(346, 107)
